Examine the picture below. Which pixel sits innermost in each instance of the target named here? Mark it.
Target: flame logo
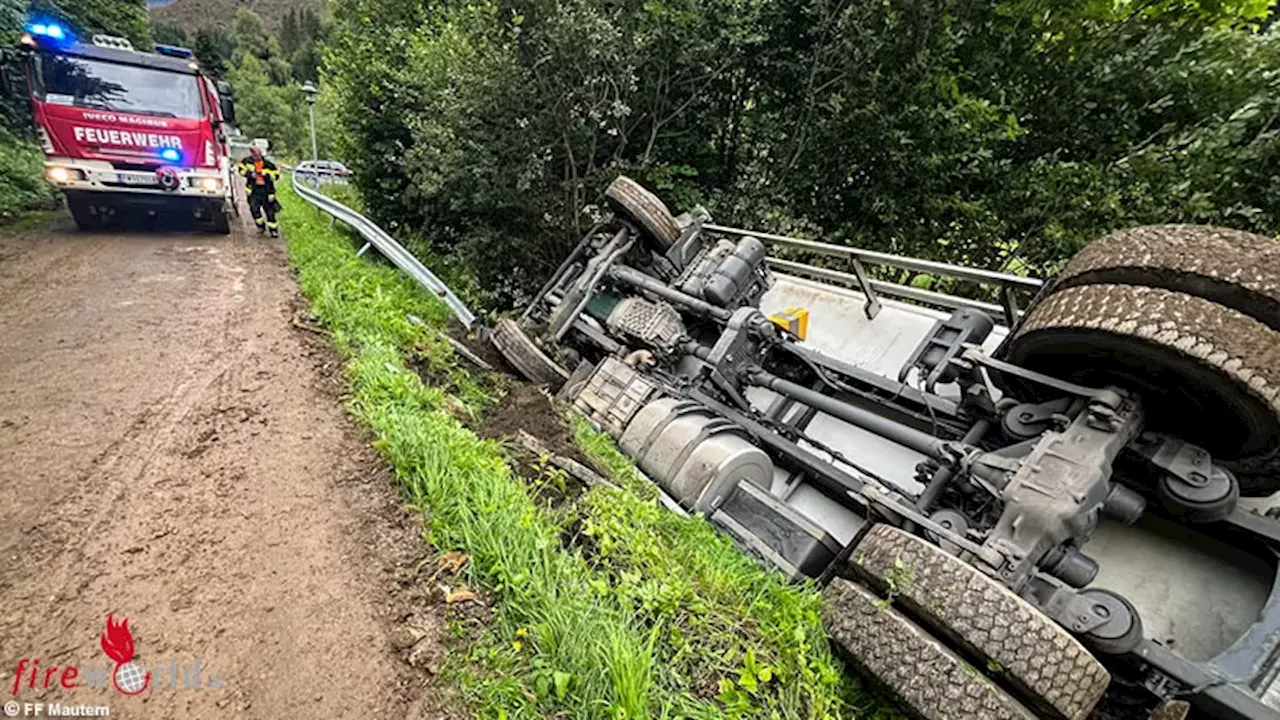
(117, 643)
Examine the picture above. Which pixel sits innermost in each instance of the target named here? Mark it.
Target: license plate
(132, 179)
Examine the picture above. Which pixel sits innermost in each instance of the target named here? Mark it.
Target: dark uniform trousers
(260, 184)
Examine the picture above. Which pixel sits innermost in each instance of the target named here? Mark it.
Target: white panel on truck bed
(839, 327)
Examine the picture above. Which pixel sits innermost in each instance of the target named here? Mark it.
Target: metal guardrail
(378, 238)
(1006, 283)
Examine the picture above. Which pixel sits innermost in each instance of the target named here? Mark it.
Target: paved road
(173, 451)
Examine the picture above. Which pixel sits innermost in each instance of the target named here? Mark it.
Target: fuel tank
(697, 458)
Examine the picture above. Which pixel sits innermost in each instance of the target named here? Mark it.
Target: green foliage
(459, 124)
(265, 109)
(1002, 134)
(22, 183)
(15, 109)
(167, 33)
(301, 33)
(214, 47)
(649, 615)
(12, 13)
(601, 448)
(1010, 134)
(250, 33)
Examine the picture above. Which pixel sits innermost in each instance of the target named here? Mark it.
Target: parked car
(324, 169)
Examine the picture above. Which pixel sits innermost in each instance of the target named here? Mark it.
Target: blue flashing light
(174, 51)
(50, 30)
(170, 155)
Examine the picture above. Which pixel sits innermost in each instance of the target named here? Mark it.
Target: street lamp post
(311, 90)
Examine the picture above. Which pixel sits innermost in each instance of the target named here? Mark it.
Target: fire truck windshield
(65, 80)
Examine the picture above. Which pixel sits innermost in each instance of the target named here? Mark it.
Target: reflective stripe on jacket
(259, 174)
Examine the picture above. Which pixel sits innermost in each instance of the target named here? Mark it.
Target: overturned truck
(999, 491)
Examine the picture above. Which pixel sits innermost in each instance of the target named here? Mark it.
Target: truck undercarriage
(946, 466)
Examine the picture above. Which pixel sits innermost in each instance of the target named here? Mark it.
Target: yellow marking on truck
(794, 320)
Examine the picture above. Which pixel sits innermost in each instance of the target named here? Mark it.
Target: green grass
(648, 614)
(28, 220)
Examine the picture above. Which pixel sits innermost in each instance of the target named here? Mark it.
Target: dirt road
(173, 450)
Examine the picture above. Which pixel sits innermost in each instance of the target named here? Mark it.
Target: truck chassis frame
(652, 328)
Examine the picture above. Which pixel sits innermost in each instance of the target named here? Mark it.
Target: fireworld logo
(127, 676)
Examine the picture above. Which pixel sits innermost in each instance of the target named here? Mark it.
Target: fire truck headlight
(170, 155)
(210, 184)
(64, 175)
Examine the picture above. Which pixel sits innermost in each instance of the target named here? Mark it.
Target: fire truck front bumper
(97, 176)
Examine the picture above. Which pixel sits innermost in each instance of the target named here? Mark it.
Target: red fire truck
(123, 129)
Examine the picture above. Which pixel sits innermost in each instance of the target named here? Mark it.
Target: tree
(301, 34)
(14, 107)
(492, 126)
(266, 77)
(126, 18)
(304, 64)
(214, 47)
(290, 34)
(1012, 133)
(250, 34)
(266, 110)
(167, 33)
(1003, 134)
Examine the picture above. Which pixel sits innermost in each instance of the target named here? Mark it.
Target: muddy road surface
(173, 451)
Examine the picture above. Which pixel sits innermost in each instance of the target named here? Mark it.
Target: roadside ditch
(573, 597)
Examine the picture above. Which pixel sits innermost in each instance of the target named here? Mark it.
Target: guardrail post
(364, 249)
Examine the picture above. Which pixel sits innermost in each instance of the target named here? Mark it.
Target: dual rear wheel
(951, 643)
(1187, 316)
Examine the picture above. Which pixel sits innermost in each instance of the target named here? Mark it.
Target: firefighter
(260, 183)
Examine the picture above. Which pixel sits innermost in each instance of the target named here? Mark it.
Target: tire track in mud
(178, 456)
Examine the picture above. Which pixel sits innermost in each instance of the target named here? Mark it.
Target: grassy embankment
(641, 614)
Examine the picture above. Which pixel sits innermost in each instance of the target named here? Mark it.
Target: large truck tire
(1207, 373)
(81, 213)
(928, 678)
(1236, 269)
(221, 220)
(526, 357)
(1043, 663)
(629, 199)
